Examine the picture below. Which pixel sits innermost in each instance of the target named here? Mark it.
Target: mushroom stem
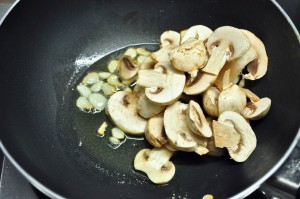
(151, 78)
(159, 157)
(217, 59)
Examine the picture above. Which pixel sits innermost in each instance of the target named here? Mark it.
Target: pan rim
(52, 194)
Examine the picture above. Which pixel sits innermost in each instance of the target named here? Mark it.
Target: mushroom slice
(155, 163)
(189, 56)
(225, 44)
(210, 101)
(247, 142)
(128, 67)
(225, 135)
(170, 147)
(196, 120)
(151, 78)
(177, 130)
(122, 109)
(199, 84)
(212, 149)
(155, 133)
(148, 63)
(172, 90)
(259, 66)
(257, 110)
(252, 96)
(162, 55)
(198, 32)
(148, 109)
(232, 99)
(169, 38)
(235, 68)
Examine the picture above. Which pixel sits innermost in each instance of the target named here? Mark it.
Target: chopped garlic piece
(102, 128)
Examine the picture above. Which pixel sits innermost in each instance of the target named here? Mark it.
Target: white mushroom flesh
(257, 110)
(196, 120)
(155, 163)
(247, 143)
(198, 32)
(189, 56)
(232, 99)
(122, 108)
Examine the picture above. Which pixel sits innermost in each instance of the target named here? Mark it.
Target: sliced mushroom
(235, 67)
(155, 133)
(257, 110)
(247, 142)
(252, 96)
(152, 78)
(162, 55)
(198, 32)
(128, 67)
(177, 130)
(259, 67)
(148, 109)
(148, 63)
(168, 92)
(170, 38)
(155, 163)
(225, 135)
(223, 80)
(212, 149)
(199, 84)
(225, 44)
(170, 147)
(210, 101)
(189, 56)
(232, 99)
(122, 109)
(196, 120)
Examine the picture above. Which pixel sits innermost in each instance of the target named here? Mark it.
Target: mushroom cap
(148, 109)
(238, 42)
(210, 101)
(198, 32)
(155, 163)
(189, 56)
(170, 38)
(155, 133)
(257, 110)
(173, 89)
(128, 67)
(177, 130)
(199, 84)
(259, 67)
(196, 120)
(232, 99)
(248, 140)
(122, 109)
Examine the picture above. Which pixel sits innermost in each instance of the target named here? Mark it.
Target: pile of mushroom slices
(195, 62)
(192, 62)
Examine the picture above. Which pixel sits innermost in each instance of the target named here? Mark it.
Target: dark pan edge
(45, 190)
(286, 16)
(257, 184)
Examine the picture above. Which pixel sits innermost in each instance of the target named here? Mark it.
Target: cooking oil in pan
(98, 148)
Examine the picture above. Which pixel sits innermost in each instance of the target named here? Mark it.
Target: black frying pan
(47, 46)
